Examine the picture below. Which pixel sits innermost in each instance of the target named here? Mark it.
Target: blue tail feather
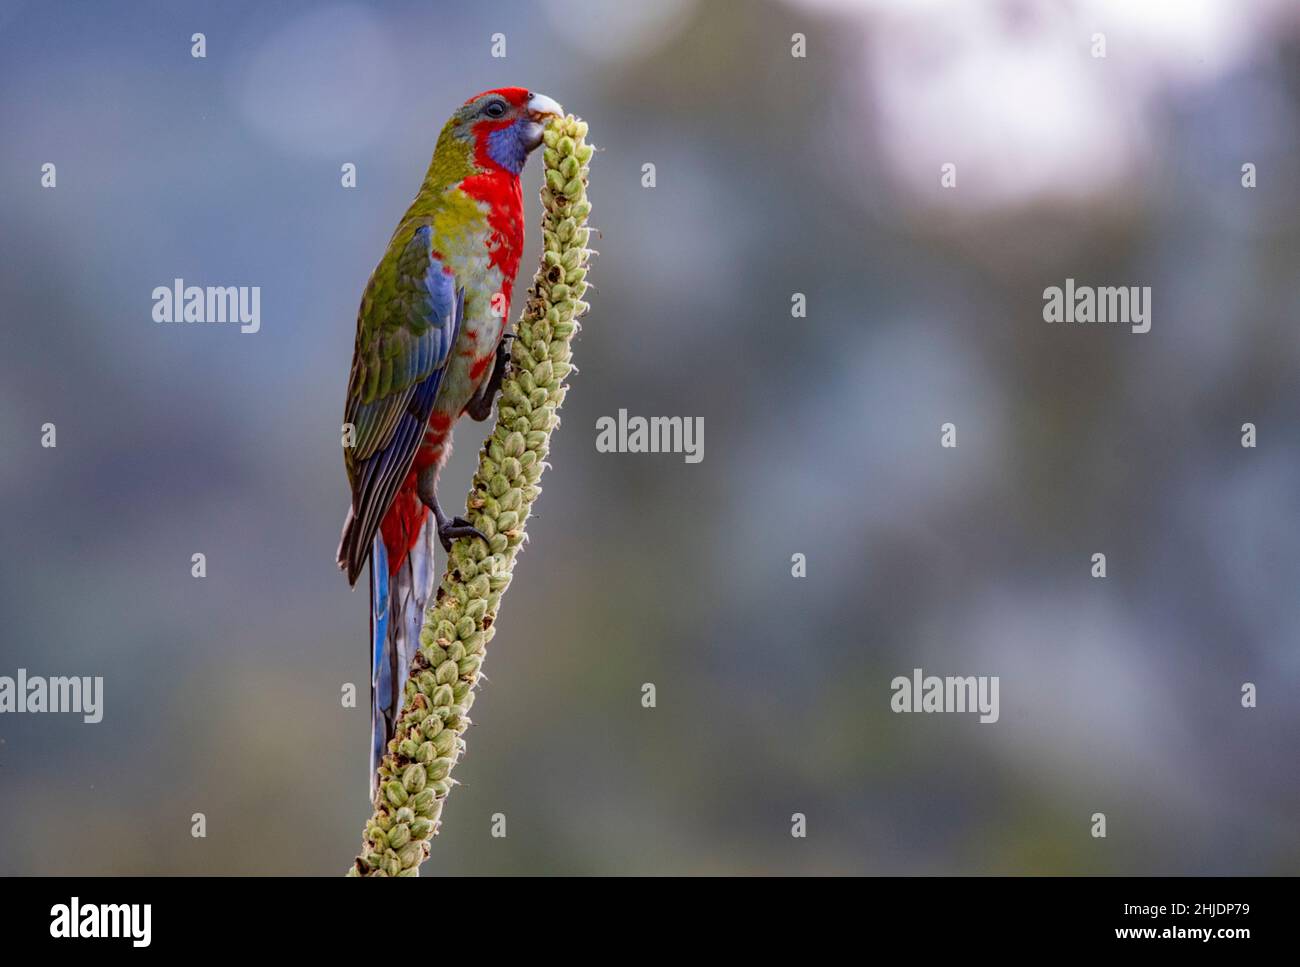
(397, 604)
(380, 681)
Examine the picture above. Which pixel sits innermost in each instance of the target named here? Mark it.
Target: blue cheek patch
(506, 148)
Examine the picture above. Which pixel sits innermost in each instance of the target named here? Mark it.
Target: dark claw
(454, 529)
(449, 529)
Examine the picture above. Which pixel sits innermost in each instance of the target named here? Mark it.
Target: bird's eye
(495, 109)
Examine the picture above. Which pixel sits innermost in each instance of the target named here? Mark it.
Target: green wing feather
(406, 328)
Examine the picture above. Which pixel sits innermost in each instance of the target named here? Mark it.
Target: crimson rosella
(429, 348)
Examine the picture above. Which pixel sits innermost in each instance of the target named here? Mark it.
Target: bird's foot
(453, 528)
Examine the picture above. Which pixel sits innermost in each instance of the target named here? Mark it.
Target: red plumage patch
(401, 525)
(518, 96)
(505, 200)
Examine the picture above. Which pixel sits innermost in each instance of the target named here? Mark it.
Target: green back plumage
(387, 321)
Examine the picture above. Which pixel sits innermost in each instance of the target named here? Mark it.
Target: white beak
(541, 107)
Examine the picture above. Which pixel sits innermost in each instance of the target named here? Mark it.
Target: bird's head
(501, 127)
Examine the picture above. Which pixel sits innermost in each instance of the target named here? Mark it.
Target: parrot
(430, 347)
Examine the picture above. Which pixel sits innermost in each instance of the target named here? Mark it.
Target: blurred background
(775, 175)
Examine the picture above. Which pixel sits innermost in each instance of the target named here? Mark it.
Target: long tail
(397, 604)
